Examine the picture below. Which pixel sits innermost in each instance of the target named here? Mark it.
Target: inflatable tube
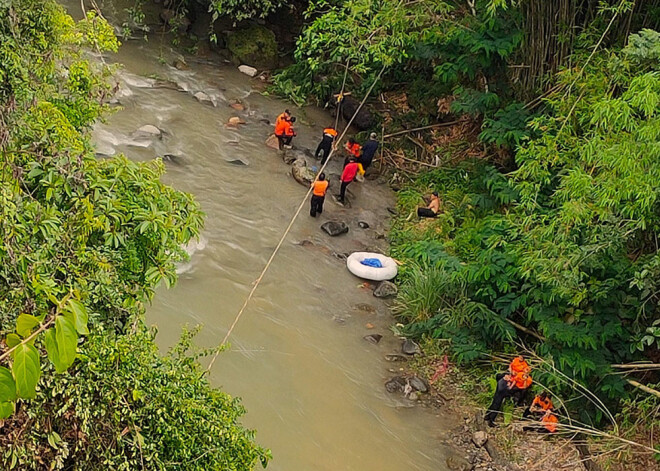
(387, 272)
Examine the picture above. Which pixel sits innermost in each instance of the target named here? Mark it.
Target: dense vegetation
(83, 244)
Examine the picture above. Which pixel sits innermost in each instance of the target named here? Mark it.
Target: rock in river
(272, 142)
(334, 228)
(396, 384)
(373, 338)
(410, 348)
(203, 98)
(302, 173)
(386, 289)
(419, 384)
(148, 130)
(247, 70)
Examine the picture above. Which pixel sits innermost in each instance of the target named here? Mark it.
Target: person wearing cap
(432, 209)
(369, 151)
(320, 187)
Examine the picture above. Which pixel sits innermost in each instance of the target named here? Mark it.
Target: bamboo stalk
(643, 388)
(406, 131)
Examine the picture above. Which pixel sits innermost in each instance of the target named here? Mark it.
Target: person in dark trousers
(507, 386)
(284, 131)
(320, 187)
(325, 146)
(347, 176)
(432, 210)
(369, 151)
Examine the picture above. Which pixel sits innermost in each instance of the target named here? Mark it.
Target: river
(313, 387)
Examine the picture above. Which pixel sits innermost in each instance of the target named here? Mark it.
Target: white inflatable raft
(387, 272)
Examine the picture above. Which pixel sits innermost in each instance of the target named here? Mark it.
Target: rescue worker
(318, 195)
(548, 424)
(347, 176)
(507, 386)
(284, 132)
(286, 116)
(519, 365)
(353, 149)
(369, 151)
(432, 210)
(540, 405)
(325, 146)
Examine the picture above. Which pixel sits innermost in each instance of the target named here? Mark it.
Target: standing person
(353, 149)
(318, 195)
(507, 386)
(432, 210)
(347, 176)
(325, 146)
(369, 151)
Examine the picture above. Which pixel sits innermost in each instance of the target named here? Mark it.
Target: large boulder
(349, 106)
(302, 173)
(386, 289)
(255, 46)
(334, 228)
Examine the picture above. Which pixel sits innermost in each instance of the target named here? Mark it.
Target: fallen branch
(406, 131)
(635, 366)
(643, 388)
(526, 330)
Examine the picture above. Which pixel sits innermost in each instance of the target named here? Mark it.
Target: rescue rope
(295, 216)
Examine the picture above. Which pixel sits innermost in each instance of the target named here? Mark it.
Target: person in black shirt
(369, 151)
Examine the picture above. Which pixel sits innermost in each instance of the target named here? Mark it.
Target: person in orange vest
(347, 176)
(548, 424)
(320, 187)
(519, 365)
(284, 132)
(353, 149)
(286, 116)
(325, 146)
(508, 385)
(540, 405)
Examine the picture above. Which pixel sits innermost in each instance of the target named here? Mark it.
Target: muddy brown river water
(312, 386)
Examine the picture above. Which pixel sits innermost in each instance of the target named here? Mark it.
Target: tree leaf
(26, 370)
(7, 385)
(81, 317)
(25, 323)
(12, 340)
(61, 343)
(6, 409)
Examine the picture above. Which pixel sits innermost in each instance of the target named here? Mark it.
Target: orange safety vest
(281, 127)
(520, 381)
(354, 149)
(330, 132)
(545, 404)
(280, 118)
(550, 422)
(519, 366)
(320, 187)
(288, 129)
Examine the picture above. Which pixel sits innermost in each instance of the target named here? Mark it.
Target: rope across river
(295, 216)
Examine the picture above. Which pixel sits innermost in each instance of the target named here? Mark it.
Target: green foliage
(565, 246)
(84, 243)
(123, 406)
(244, 9)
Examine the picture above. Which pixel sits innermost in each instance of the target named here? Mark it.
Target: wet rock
(386, 289)
(392, 211)
(373, 338)
(414, 396)
(410, 348)
(237, 106)
(203, 98)
(234, 121)
(272, 142)
(302, 173)
(306, 243)
(363, 119)
(340, 256)
(363, 225)
(247, 70)
(265, 121)
(175, 159)
(180, 64)
(479, 438)
(288, 158)
(369, 325)
(238, 162)
(396, 384)
(419, 384)
(458, 463)
(396, 357)
(149, 130)
(334, 228)
(365, 308)
(254, 45)
(339, 320)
